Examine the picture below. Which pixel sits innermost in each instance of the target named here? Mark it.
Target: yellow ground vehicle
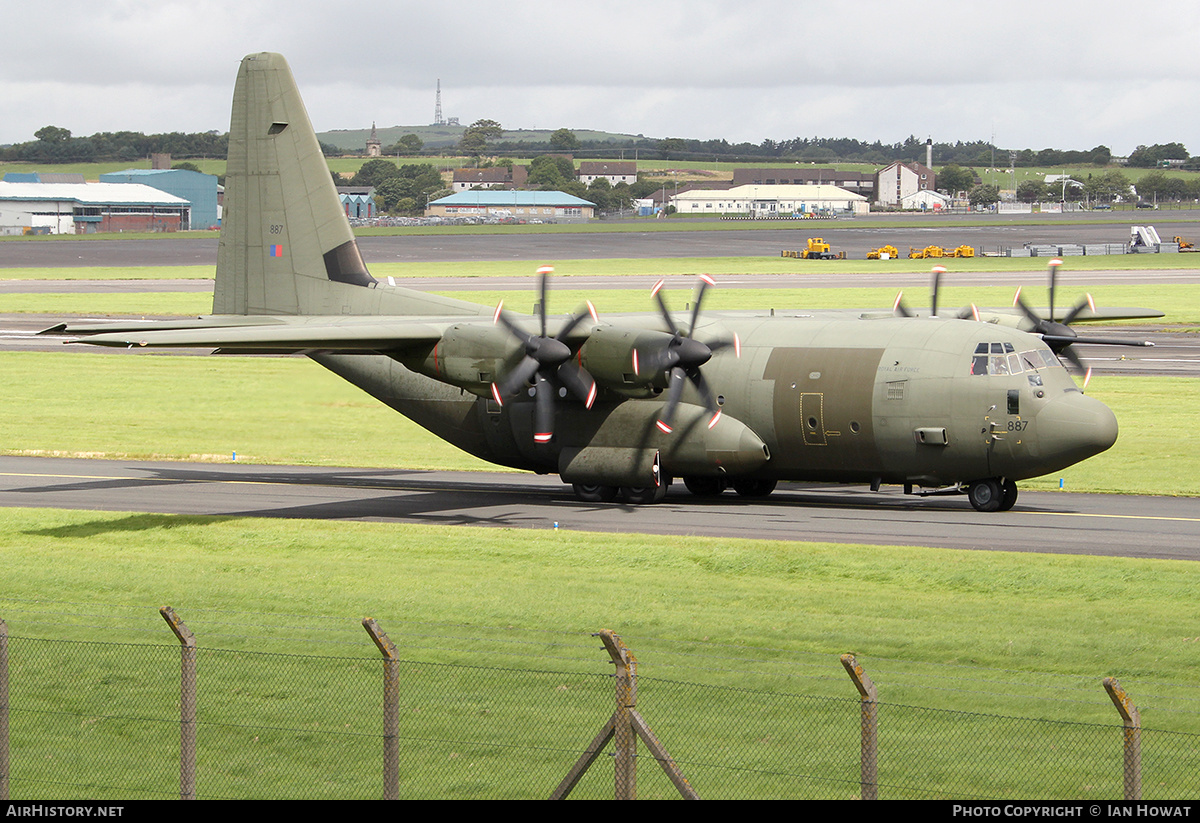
(888, 252)
(817, 249)
(1184, 245)
(925, 253)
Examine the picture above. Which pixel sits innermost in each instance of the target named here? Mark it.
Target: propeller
(1059, 336)
(547, 361)
(682, 357)
(934, 287)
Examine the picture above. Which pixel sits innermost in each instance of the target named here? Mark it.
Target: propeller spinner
(547, 361)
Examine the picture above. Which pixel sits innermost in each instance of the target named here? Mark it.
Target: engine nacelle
(616, 357)
(470, 355)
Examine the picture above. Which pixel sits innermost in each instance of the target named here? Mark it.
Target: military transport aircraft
(619, 405)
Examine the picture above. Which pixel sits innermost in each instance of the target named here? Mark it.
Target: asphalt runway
(1044, 522)
(855, 236)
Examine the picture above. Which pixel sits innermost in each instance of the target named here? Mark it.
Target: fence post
(391, 709)
(624, 738)
(869, 744)
(1132, 722)
(187, 703)
(623, 728)
(3, 710)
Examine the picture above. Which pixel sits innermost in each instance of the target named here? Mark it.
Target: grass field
(960, 644)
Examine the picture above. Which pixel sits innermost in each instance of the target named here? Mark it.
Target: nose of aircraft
(1074, 427)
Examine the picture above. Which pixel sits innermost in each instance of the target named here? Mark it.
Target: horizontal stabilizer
(270, 335)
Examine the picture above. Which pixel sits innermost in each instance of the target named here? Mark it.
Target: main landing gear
(994, 495)
(635, 496)
(699, 486)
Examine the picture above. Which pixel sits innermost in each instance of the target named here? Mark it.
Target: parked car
(1142, 204)
(1102, 207)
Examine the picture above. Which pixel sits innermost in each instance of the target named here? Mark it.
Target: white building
(84, 208)
(770, 201)
(615, 171)
(901, 180)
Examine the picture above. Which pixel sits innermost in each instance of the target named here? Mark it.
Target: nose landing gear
(996, 494)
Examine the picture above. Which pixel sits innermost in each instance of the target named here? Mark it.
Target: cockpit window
(1002, 358)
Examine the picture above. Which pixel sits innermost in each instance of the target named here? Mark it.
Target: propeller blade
(718, 345)
(1054, 264)
(543, 287)
(578, 382)
(584, 311)
(678, 378)
(543, 415)
(705, 282)
(701, 385)
(517, 378)
(1074, 358)
(899, 308)
(938, 271)
(1086, 303)
(662, 307)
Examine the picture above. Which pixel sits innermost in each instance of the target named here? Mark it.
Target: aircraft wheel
(705, 486)
(595, 494)
(749, 487)
(986, 495)
(1008, 495)
(641, 495)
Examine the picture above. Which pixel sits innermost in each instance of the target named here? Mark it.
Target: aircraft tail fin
(285, 241)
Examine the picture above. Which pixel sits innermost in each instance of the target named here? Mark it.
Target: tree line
(54, 144)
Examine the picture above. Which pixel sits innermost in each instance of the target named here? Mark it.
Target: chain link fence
(476, 712)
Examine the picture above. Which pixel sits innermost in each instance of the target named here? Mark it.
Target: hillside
(443, 136)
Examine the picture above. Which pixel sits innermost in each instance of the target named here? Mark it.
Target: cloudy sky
(1046, 74)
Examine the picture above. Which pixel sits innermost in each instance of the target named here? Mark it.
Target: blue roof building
(198, 189)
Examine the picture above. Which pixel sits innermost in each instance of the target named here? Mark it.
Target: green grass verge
(974, 635)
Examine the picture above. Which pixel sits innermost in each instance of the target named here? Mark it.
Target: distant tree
(408, 144)
(476, 136)
(1030, 191)
(984, 195)
(1158, 185)
(185, 166)
(330, 150)
(550, 172)
(374, 172)
(1106, 187)
(564, 140)
(670, 146)
(953, 179)
(1148, 156)
(600, 192)
(408, 189)
(52, 134)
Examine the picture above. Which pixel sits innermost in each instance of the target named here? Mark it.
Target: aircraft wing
(268, 334)
(1087, 315)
